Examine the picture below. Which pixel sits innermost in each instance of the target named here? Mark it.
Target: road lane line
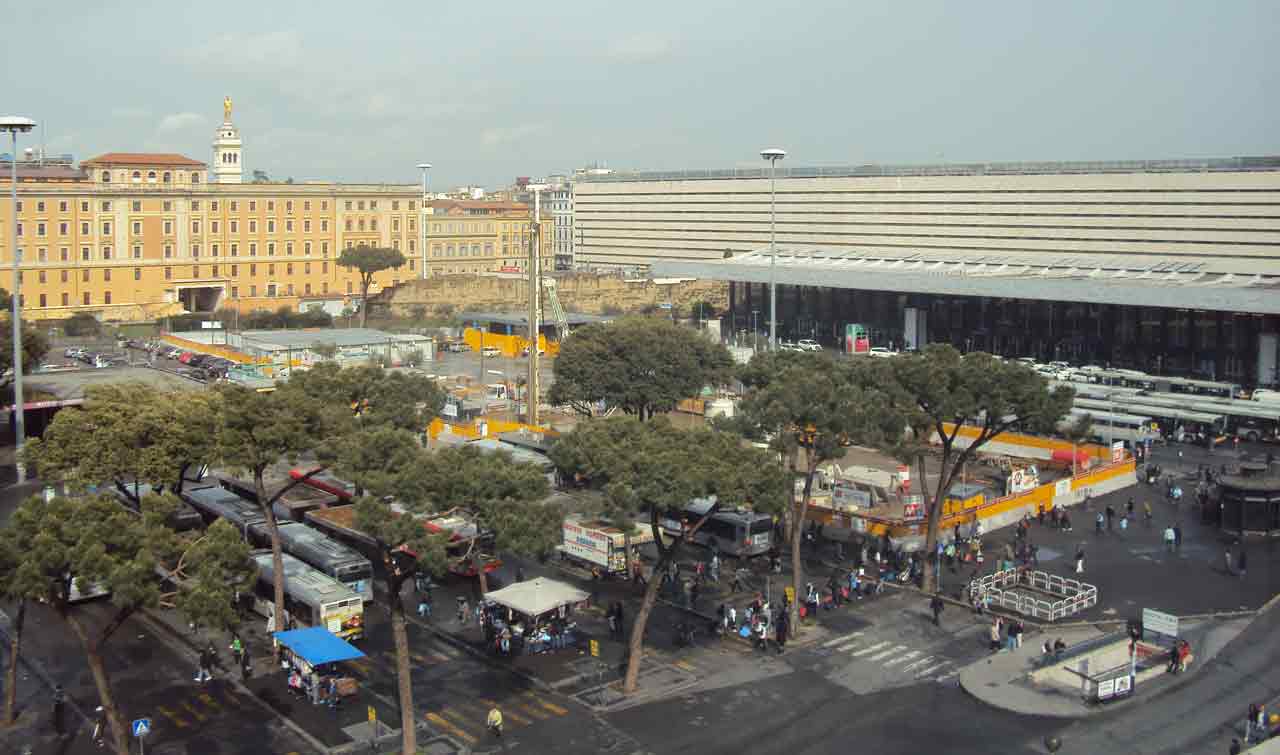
(190, 709)
(208, 700)
(917, 664)
(459, 719)
(178, 722)
(870, 649)
(902, 658)
(925, 672)
(450, 728)
(556, 709)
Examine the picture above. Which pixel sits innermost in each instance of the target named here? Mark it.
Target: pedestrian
(1177, 535)
(733, 618)
(1146, 511)
(464, 609)
(1234, 749)
(1080, 559)
(936, 605)
(494, 723)
(1097, 523)
(1128, 509)
(424, 605)
(1240, 568)
(613, 620)
(1249, 723)
(204, 672)
(236, 648)
(1169, 537)
(1226, 559)
(1066, 521)
(783, 625)
(1124, 525)
(59, 704)
(995, 635)
(715, 567)
(762, 633)
(246, 665)
(1111, 514)
(1011, 636)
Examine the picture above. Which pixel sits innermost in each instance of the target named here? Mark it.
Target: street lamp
(15, 124)
(773, 156)
(424, 167)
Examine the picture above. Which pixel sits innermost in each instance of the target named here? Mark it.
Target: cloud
(250, 52)
(640, 47)
(178, 122)
(492, 137)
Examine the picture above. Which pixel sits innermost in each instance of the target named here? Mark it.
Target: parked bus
(1172, 414)
(467, 549)
(181, 519)
(310, 597)
(1107, 427)
(292, 506)
(331, 558)
(733, 532)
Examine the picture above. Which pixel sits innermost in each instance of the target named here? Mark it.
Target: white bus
(310, 597)
(1107, 427)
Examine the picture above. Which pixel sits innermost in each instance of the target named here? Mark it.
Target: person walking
(994, 633)
(1146, 512)
(782, 627)
(936, 605)
(1177, 535)
(1226, 559)
(1128, 508)
(204, 672)
(1124, 525)
(1111, 515)
(494, 723)
(1098, 522)
(1169, 536)
(59, 705)
(1240, 563)
(246, 665)
(1234, 749)
(237, 648)
(464, 609)
(1080, 559)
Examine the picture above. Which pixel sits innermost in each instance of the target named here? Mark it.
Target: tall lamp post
(15, 124)
(773, 156)
(424, 167)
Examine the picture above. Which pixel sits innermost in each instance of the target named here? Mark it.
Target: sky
(487, 91)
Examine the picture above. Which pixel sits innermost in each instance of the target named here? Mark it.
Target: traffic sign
(142, 727)
(1159, 622)
(595, 648)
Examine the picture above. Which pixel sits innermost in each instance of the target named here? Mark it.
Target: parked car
(880, 351)
(788, 346)
(541, 351)
(185, 357)
(492, 351)
(808, 344)
(457, 347)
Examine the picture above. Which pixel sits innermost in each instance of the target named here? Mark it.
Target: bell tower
(226, 166)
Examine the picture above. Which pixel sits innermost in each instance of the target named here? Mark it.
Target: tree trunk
(482, 577)
(277, 559)
(797, 535)
(946, 477)
(11, 674)
(404, 674)
(364, 299)
(635, 643)
(118, 736)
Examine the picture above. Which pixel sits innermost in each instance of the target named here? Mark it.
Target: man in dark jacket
(936, 605)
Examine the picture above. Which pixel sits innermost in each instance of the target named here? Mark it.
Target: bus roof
(1113, 416)
(213, 500)
(1155, 410)
(303, 582)
(314, 548)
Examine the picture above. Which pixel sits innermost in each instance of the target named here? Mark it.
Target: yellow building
(139, 236)
(482, 236)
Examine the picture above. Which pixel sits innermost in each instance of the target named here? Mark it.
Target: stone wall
(586, 293)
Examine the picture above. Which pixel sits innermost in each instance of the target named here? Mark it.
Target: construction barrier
(1001, 589)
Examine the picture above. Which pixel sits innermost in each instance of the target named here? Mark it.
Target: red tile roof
(144, 158)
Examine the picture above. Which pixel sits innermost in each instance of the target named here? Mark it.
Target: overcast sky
(487, 91)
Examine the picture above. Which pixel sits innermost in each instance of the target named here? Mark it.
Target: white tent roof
(536, 596)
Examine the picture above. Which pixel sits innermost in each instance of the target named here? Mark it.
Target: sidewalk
(1004, 680)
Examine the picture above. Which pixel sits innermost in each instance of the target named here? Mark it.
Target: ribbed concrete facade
(1223, 213)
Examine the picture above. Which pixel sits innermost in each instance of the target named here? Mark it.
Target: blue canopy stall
(310, 648)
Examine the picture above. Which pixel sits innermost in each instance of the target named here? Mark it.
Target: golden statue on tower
(226, 109)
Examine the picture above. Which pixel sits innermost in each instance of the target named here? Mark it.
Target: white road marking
(925, 672)
(839, 640)
(902, 658)
(918, 663)
(887, 653)
(871, 649)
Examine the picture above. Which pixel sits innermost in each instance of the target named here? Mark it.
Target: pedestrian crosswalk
(464, 718)
(893, 657)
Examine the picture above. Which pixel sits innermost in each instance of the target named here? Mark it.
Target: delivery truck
(594, 543)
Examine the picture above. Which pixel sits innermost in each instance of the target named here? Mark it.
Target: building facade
(131, 236)
(557, 203)
(1167, 266)
(482, 236)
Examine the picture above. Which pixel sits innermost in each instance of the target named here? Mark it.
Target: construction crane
(557, 311)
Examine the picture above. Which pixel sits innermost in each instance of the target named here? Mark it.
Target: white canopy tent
(537, 596)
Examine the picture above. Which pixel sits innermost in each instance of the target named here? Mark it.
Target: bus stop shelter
(537, 597)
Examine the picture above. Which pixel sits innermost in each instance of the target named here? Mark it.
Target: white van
(1269, 395)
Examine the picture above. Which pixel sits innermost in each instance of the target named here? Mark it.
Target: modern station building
(1169, 266)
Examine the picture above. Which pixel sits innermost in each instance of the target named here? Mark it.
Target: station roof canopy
(1231, 285)
(522, 319)
(537, 596)
(318, 646)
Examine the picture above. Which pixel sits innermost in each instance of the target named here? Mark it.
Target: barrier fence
(1001, 589)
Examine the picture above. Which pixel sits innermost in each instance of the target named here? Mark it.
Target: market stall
(533, 616)
(312, 655)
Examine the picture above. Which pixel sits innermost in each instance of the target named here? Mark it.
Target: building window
(213, 206)
(288, 248)
(306, 226)
(253, 205)
(195, 250)
(106, 275)
(235, 250)
(288, 205)
(324, 267)
(213, 226)
(40, 276)
(288, 226)
(373, 204)
(271, 205)
(106, 297)
(348, 225)
(271, 226)
(395, 244)
(64, 254)
(324, 226)
(324, 248)
(289, 290)
(84, 206)
(306, 268)
(195, 178)
(288, 269)
(39, 229)
(137, 273)
(65, 276)
(137, 206)
(166, 177)
(271, 270)
(348, 204)
(137, 251)
(235, 292)
(84, 229)
(168, 273)
(235, 206)
(106, 176)
(373, 224)
(106, 252)
(137, 228)
(362, 224)
(271, 248)
(213, 249)
(306, 290)
(324, 287)
(43, 301)
(106, 206)
(63, 228)
(66, 300)
(324, 204)
(213, 272)
(235, 226)
(306, 248)
(168, 227)
(195, 227)
(84, 276)
(253, 226)
(195, 271)
(253, 270)
(395, 224)
(84, 253)
(410, 264)
(168, 250)
(87, 298)
(348, 286)
(235, 271)
(413, 245)
(253, 249)
(253, 291)
(306, 205)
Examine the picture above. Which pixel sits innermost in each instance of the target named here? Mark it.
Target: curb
(175, 642)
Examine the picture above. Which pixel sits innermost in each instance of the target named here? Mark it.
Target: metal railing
(1001, 589)
(1214, 165)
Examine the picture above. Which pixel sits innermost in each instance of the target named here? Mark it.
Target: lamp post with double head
(424, 167)
(773, 156)
(15, 125)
